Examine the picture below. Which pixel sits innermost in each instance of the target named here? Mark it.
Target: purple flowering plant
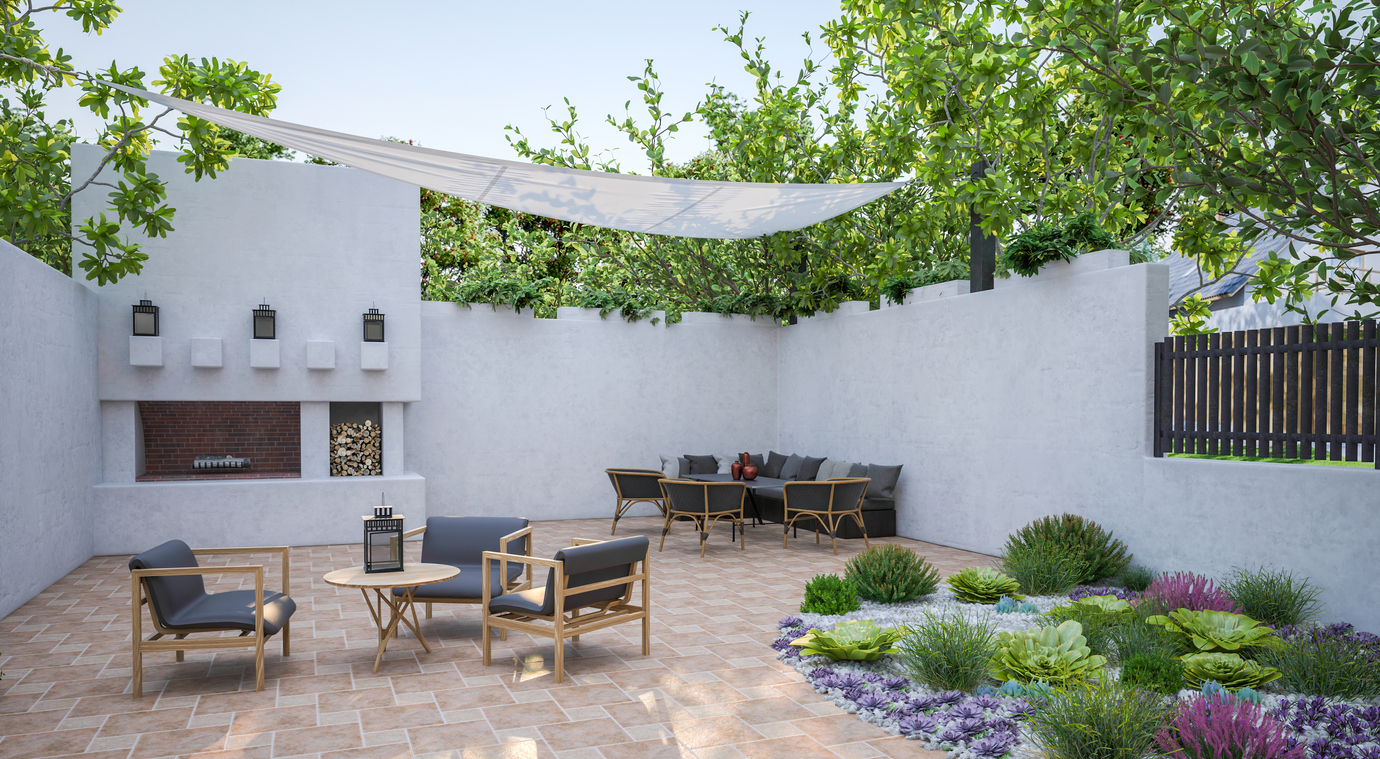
(1226, 728)
(1185, 590)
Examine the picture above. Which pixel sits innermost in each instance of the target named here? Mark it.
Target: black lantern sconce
(373, 326)
(383, 541)
(146, 319)
(265, 323)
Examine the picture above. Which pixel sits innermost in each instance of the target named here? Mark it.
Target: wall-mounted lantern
(146, 319)
(265, 323)
(373, 326)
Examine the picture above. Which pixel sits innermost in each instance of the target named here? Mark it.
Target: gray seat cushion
(878, 504)
(584, 565)
(462, 541)
(791, 469)
(773, 466)
(883, 479)
(233, 610)
(809, 469)
(468, 584)
(182, 603)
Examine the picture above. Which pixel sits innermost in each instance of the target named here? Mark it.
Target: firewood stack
(356, 449)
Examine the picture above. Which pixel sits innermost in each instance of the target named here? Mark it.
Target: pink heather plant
(1225, 728)
(1185, 590)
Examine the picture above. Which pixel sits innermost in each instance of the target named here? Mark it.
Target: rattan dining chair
(633, 486)
(705, 503)
(827, 503)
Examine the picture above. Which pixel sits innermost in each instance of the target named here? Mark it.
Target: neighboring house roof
(1184, 277)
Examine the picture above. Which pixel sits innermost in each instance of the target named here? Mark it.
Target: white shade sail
(653, 205)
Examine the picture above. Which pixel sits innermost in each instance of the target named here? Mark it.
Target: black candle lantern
(383, 544)
(373, 326)
(265, 326)
(146, 319)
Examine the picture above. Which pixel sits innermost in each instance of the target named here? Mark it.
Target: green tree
(1266, 114)
(36, 186)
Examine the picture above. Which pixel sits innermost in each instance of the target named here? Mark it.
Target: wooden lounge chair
(461, 543)
(592, 575)
(168, 579)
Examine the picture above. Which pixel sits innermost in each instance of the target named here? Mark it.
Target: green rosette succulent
(1201, 632)
(1230, 670)
(1055, 655)
(860, 640)
(1107, 604)
(982, 585)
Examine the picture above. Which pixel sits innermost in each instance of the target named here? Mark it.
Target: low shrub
(1051, 654)
(1185, 590)
(1274, 596)
(1153, 672)
(1041, 566)
(948, 651)
(1137, 578)
(1332, 661)
(982, 585)
(1225, 728)
(1135, 637)
(1100, 554)
(889, 573)
(1096, 721)
(828, 594)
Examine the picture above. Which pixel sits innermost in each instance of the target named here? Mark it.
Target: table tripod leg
(406, 604)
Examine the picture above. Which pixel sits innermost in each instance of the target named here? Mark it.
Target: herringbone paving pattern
(711, 689)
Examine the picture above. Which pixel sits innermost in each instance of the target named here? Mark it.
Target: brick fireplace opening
(266, 433)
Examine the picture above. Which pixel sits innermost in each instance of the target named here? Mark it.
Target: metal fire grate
(220, 462)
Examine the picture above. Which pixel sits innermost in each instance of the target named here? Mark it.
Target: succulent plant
(1229, 670)
(1214, 631)
(982, 585)
(860, 640)
(888, 573)
(1012, 688)
(1250, 694)
(1054, 655)
(1108, 604)
(1006, 605)
(1028, 608)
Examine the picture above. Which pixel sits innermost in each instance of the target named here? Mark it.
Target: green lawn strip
(1323, 462)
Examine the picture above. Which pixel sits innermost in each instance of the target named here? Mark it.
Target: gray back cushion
(773, 466)
(791, 469)
(826, 469)
(883, 480)
(586, 565)
(755, 459)
(809, 469)
(463, 540)
(705, 464)
(856, 470)
(170, 595)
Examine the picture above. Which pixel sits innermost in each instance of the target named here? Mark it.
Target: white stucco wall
(50, 425)
(322, 244)
(520, 416)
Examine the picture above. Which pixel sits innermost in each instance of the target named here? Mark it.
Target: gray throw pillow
(702, 464)
(772, 469)
(756, 460)
(683, 467)
(826, 469)
(857, 470)
(791, 469)
(884, 479)
(809, 469)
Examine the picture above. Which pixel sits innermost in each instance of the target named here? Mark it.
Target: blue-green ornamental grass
(948, 651)
(1097, 720)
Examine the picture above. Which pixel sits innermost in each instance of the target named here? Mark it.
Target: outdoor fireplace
(214, 440)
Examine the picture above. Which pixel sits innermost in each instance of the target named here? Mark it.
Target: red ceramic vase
(749, 472)
(737, 470)
(745, 458)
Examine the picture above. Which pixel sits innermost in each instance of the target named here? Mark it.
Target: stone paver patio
(711, 688)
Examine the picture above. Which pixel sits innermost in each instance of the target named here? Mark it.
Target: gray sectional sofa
(878, 509)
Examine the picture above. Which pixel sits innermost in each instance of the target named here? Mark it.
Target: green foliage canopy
(36, 187)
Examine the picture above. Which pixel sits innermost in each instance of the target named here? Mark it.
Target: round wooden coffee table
(383, 583)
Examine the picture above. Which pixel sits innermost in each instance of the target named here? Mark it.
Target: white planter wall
(50, 426)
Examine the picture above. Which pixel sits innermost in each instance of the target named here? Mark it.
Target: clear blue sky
(450, 75)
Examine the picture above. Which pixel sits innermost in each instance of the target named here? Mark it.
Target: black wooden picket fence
(1303, 392)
